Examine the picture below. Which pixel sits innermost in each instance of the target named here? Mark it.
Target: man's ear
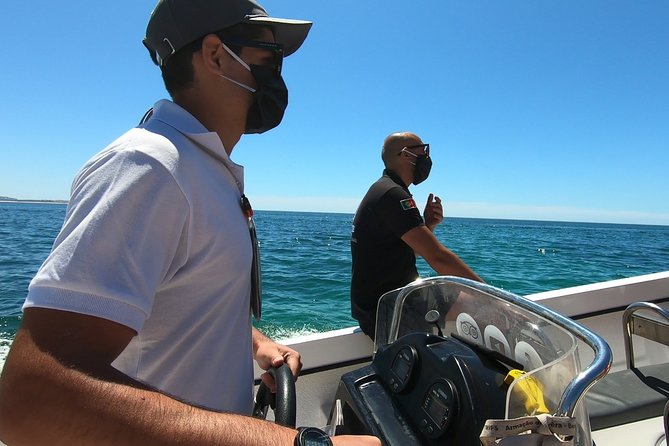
(213, 55)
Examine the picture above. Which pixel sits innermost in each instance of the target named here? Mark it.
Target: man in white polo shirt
(137, 327)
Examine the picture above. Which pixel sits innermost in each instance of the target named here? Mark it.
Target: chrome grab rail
(577, 388)
(628, 329)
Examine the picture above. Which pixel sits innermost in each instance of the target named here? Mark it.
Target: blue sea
(306, 263)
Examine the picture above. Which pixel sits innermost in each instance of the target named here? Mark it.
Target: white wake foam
(4, 349)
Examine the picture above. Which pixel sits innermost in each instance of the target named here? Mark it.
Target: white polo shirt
(154, 238)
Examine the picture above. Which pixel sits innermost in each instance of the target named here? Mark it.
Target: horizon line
(4, 199)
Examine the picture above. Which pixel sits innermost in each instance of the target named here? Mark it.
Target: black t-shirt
(381, 260)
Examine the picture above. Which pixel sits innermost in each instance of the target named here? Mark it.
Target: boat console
(453, 355)
(424, 389)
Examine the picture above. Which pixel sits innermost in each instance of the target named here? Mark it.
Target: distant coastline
(4, 199)
(16, 200)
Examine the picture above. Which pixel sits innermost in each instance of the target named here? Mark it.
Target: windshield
(545, 352)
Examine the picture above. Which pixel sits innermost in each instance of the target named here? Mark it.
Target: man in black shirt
(388, 230)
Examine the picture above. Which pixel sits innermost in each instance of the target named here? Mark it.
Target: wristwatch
(311, 436)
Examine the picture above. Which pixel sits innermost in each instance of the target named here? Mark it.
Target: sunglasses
(275, 49)
(409, 149)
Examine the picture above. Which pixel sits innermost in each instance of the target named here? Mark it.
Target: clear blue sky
(555, 110)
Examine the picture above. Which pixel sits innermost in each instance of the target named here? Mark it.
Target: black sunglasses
(425, 147)
(276, 49)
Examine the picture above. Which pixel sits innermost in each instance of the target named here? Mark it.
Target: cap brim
(288, 32)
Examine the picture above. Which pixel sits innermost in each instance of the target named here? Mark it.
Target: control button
(446, 411)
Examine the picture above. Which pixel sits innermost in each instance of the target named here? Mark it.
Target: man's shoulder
(384, 193)
(136, 147)
(139, 141)
(385, 185)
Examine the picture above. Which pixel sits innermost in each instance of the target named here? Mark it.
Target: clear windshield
(546, 352)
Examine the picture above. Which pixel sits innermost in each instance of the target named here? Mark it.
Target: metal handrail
(577, 388)
(627, 326)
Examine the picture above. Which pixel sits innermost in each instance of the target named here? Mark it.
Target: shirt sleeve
(123, 235)
(398, 211)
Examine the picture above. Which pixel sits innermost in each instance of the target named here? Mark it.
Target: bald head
(394, 143)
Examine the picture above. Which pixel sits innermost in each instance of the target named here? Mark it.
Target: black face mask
(422, 169)
(269, 100)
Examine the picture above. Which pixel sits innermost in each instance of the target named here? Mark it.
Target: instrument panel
(424, 390)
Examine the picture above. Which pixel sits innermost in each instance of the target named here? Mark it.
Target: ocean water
(306, 264)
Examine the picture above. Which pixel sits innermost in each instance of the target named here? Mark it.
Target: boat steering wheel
(283, 402)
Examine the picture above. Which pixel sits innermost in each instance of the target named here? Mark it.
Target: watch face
(314, 437)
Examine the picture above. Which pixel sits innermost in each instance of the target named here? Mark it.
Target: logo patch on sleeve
(407, 204)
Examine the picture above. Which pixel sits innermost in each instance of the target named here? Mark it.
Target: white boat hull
(327, 356)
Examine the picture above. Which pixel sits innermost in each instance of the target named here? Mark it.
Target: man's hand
(355, 440)
(268, 354)
(434, 212)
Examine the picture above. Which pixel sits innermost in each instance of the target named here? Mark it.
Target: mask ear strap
(246, 87)
(236, 57)
(408, 155)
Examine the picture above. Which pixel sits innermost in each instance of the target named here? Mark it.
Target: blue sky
(554, 110)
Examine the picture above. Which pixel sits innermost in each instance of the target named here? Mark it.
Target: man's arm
(58, 388)
(441, 259)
